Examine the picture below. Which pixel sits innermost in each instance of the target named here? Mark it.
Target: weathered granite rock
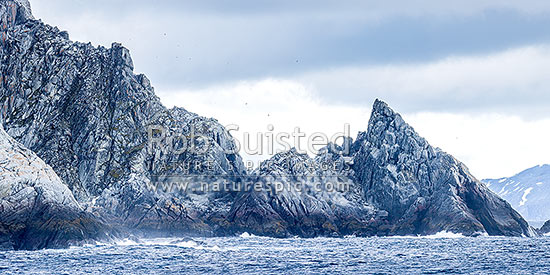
(120, 151)
(424, 189)
(294, 195)
(36, 209)
(86, 114)
(14, 12)
(397, 185)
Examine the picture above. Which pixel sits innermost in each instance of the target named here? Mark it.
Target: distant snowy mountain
(528, 192)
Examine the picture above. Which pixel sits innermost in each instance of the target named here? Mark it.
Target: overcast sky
(471, 76)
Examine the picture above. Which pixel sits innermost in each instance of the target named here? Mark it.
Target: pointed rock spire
(424, 189)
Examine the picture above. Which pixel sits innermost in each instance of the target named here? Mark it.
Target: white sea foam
(247, 235)
(186, 243)
(125, 242)
(439, 235)
(445, 235)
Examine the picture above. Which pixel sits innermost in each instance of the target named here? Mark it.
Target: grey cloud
(511, 82)
(371, 8)
(193, 44)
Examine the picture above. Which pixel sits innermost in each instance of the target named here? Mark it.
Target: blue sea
(248, 254)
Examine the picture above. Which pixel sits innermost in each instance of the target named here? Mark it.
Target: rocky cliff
(138, 165)
(424, 189)
(84, 112)
(396, 184)
(300, 196)
(36, 209)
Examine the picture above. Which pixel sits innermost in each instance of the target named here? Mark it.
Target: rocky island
(83, 112)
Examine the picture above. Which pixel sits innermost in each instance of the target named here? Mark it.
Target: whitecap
(187, 244)
(445, 235)
(184, 243)
(247, 235)
(125, 242)
(439, 235)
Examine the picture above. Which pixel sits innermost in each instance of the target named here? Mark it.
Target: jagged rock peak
(424, 189)
(87, 115)
(289, 162)
(382, 107)
(385, 118)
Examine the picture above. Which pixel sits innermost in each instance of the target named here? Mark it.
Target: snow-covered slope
(528, 192)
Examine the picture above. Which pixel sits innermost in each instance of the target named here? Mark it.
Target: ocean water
(442, 253)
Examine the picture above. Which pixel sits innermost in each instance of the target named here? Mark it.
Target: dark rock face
(545, 229)
(397, 185)
(14, 12)
(424, 189)
(300, 196)
(36, 209)
(85, 113)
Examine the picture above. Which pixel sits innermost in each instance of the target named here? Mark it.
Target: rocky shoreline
(36, 209)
